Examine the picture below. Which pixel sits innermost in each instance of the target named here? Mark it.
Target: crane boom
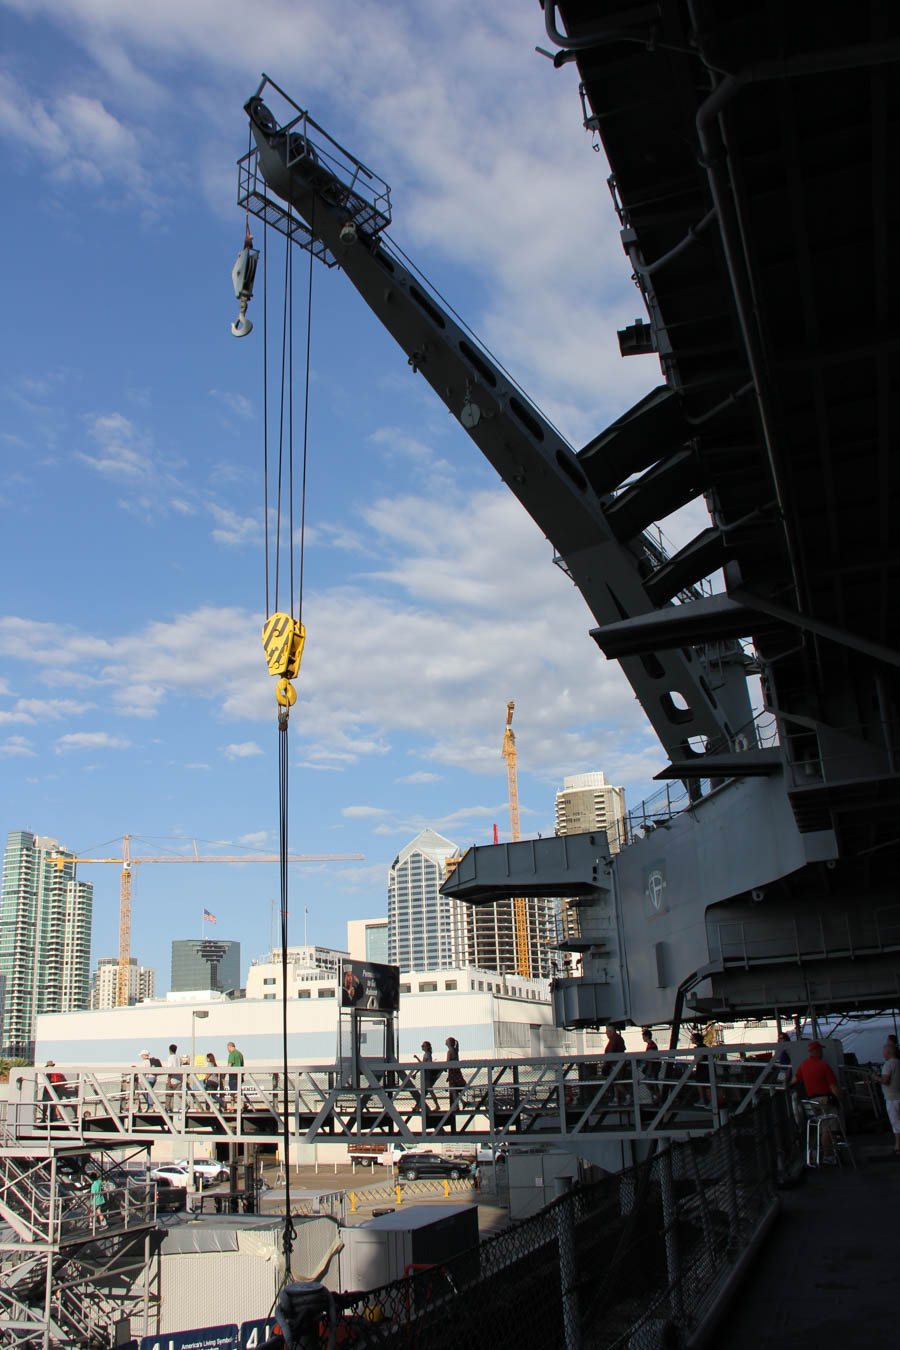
(520, 904)
(620, 571)
(128, 862)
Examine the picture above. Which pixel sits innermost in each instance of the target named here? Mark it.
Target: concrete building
(492, 1016)
(104, 982)
(425, 930)
(367, 940)
(205, 963)
(587, 802)
(45, 935)
(313, 972)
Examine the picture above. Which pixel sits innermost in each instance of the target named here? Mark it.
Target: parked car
(485, 1154)
(418, 1165)
(178, 1173)
(207, 1168)
(170, 1174)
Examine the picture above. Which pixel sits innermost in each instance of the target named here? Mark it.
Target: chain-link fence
(631, 1261)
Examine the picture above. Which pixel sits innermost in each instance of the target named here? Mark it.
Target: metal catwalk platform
(547, 1101)
(73, 1263)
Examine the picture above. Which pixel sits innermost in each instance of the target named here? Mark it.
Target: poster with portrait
(370, 986)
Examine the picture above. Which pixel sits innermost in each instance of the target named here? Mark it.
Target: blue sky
(133, 690)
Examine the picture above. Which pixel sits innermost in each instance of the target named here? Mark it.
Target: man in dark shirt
(615, 1045)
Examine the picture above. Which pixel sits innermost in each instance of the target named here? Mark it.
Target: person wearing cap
(817, 1076)
(818, 1079)
(149, 1078)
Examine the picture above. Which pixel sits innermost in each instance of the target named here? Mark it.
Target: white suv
(207, 1168)
(178, 1173)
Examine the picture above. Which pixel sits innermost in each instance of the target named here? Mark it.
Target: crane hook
(242, 275)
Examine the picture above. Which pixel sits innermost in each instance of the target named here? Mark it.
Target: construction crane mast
(129, 862)
(520, 905)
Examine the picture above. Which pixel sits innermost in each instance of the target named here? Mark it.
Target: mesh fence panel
(630, 1261)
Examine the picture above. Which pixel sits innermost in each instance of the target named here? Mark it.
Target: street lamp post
(197, 1014)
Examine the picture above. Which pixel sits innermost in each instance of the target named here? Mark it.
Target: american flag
(207, 917)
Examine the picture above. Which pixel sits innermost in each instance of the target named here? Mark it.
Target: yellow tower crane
(129, 862)
(520, 905)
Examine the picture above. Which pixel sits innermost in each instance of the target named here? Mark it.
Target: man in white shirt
(889, 1078)
(173, 1081)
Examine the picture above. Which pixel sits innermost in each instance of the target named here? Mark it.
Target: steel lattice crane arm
(690, 699)
(128, 862)
(520, 904)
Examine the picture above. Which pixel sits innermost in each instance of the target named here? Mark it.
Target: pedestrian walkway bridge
(551, 1101)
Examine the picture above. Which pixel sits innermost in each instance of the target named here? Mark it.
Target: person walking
(212, 1081)
(146, 1063)
(455, 1080)
(651, 1067)
(235, 1061)
(889, 1078)
(615, 1045)
(98, 1200)
(172, 1079)
(429, 1076)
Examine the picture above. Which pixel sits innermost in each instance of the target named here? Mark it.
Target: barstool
(819, 1122)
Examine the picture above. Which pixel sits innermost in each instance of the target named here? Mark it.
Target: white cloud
(232, 528)
(238, 404)
(16, 745)
(76, 137)
(241, 750)
(469, 613)
(255, 839)
(91, 740)
(363, 812)
(421, 776)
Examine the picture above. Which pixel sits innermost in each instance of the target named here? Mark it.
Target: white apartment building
(45, 935)
(104, 982)
(587, 802)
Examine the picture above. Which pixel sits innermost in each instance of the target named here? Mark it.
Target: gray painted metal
(531, 457)
(536, 1101)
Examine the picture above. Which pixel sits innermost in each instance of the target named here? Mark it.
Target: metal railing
(665, 1094)
(634, 1260)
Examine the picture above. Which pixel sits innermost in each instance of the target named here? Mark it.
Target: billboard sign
(370, 986)
(203, 1338)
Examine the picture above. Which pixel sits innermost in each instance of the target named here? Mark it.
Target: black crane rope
(283, 632)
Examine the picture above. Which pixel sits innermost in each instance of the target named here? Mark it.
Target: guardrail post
(670, 1231)
(568, 1268)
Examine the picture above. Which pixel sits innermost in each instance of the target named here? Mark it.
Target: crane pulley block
(283, 639)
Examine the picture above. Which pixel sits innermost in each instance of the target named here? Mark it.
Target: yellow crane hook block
(283, 639)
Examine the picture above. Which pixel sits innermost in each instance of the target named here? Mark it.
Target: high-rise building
(205, 963)
(45, 935)
(426, 930)
(587, 802)
(104, 982)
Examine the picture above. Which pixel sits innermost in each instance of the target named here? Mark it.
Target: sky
(134, 696)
